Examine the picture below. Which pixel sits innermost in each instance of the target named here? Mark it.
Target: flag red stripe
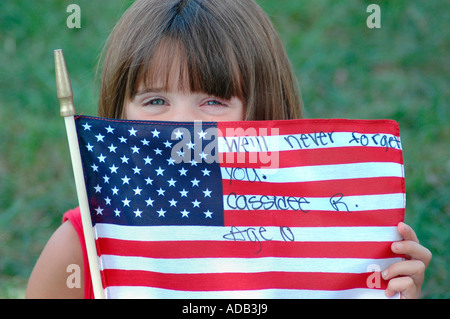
(245, 249)
(349, 187)
(306, 126)
(238, 281)
(385, 217)
(308, 157)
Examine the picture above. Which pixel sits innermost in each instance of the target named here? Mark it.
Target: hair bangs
(185, 61)
(165, 68)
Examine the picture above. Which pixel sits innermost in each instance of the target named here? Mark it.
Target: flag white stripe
(244, 265)
(332, 203)
(273, 143)
(216, 233)
(138, 292)
(314, 173)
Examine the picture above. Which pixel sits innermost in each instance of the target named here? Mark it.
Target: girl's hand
(407, 276)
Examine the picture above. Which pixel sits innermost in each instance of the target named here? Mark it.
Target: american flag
(255, 209)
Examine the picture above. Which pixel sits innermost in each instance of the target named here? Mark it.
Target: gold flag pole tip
(63, 86)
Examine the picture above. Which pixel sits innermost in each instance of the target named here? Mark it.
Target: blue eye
(156, 102)
(214, 102)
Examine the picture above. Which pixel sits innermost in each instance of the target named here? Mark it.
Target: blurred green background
(345, 70)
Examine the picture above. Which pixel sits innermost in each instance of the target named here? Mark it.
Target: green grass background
(345, 70)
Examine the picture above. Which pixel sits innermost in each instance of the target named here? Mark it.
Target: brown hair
(227, 48)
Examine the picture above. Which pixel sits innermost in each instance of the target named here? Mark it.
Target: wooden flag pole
(67, 110)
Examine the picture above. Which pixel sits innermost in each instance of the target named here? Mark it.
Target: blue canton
(139, 172)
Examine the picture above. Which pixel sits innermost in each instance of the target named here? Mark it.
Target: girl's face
(173, 102)
(154, 103)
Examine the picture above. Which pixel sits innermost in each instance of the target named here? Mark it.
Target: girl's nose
(183, 112)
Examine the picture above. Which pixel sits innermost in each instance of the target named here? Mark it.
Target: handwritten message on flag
(269, 209)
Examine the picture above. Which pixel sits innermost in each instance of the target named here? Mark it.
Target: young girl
(186, 60)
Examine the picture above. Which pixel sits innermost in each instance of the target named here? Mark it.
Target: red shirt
(74, 217)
